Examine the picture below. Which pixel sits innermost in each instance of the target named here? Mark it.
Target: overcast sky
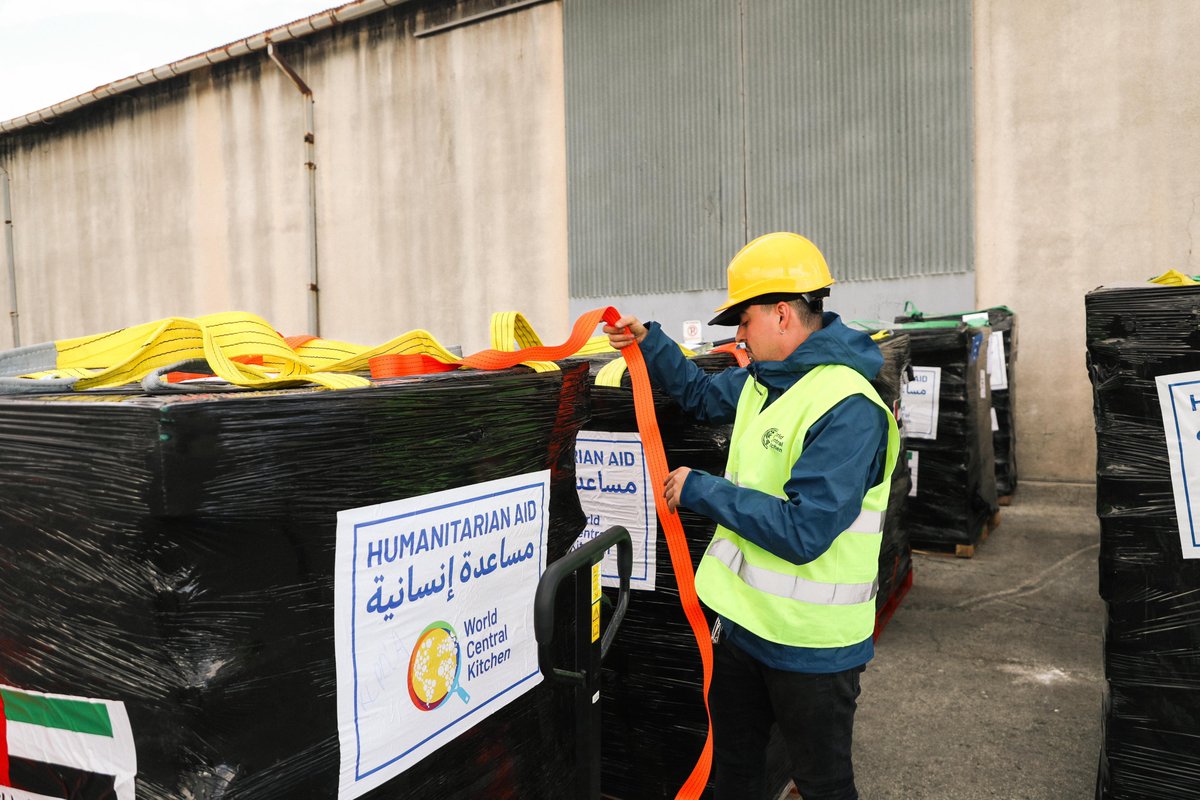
(52, 50)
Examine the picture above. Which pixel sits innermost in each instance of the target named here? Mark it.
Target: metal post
(310, 164)
(10, 256)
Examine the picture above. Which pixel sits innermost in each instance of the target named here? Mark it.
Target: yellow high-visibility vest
(828, 602)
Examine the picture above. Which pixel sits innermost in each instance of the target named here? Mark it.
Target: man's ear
(783, 311)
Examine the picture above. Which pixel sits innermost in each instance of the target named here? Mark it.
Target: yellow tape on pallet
(331, 355)
(128, 355)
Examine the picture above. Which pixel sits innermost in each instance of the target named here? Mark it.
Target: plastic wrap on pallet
(1149, 748)
(1002, 373)
(948, 435)
(1135, 336)
(895, 551)
(177, 555)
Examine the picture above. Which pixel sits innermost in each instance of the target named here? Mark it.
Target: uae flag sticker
(58, 747)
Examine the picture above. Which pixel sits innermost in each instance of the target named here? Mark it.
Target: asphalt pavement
(987, 682)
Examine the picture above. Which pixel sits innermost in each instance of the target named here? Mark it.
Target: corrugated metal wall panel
(855, 129)
(859, 131)
(653, 143)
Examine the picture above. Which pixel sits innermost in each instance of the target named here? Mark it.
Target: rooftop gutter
(284, 33)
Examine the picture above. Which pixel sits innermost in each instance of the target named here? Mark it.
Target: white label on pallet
(433, 619)
(995, 420)
(996, 366)
(914, 460)
(919, 406)
(1179, 399)
(613, 483)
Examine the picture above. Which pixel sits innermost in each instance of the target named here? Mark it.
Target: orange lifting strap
(681, 562)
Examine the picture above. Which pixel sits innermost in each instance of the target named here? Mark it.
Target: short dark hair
(808, 310)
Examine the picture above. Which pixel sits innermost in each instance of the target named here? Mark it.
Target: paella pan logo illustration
(435, 666)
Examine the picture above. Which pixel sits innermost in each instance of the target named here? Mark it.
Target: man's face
(758, 330)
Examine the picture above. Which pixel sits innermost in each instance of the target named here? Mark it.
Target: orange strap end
(396, 366)
(738, 353)
(180, 377)
(298, 341)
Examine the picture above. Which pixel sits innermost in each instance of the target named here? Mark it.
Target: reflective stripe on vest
(868, 522)
(792, 587)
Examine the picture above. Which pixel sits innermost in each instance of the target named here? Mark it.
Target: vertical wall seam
(743, 116)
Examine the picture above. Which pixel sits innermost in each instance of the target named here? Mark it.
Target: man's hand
(673, 487)
(625, 332)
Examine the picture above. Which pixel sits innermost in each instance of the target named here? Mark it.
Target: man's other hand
(673, 487)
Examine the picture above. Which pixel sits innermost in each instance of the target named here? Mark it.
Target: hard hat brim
(729, 315)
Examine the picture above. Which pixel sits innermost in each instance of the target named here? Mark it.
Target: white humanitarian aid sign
(919, 403)
(433, 619)
(612, 480)
(1179, 400)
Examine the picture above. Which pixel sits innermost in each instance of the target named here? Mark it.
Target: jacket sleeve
(842, 458)
(708, 398)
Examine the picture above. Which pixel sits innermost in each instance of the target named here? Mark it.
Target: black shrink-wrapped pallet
(1002, 365)
(895, 551)
(1138, 338)
(177, 554)
(948, 445)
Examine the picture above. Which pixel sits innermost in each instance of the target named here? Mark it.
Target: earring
(781, 331)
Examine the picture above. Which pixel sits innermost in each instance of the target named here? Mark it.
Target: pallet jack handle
(589, 650)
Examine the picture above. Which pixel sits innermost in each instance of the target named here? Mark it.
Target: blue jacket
(842, 458)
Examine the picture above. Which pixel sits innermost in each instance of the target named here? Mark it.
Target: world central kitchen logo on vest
(772, 439)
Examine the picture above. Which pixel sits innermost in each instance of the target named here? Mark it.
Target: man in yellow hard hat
(792, 567)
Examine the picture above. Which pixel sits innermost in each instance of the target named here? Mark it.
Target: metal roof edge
(296, 29)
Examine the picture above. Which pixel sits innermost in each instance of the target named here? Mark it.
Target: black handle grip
(585, 555)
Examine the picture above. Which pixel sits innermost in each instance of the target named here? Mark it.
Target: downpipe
(310, 164)
(10, 255)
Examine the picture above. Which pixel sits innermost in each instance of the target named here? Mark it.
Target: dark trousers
(815, 714)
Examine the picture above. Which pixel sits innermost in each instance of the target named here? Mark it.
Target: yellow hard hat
(773, 264)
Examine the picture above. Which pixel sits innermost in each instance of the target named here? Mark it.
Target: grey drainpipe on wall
(310, 164)
(10, 257)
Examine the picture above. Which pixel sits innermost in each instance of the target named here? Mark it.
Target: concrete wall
(1087, 173)
(441, 189)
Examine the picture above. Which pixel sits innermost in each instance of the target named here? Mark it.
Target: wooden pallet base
(1004, 500)
(963, 550)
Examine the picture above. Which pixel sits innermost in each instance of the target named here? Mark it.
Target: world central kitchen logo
(436, 665)
(772, 439)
